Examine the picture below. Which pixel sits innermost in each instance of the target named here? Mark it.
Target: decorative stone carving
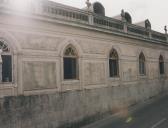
(70, 52)
(88, 4)
(4, 47)
(123, 14)
(165, 28)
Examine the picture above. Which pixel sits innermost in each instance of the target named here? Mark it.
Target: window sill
(143, 76)
(117, 78)
(69, 85)
(162, 75)
(70, 81)
(6, 85)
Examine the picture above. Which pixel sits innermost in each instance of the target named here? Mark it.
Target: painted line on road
(158, 123)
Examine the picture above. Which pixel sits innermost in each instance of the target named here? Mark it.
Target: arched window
(113, 63)
(142, 69)
(70, 63)
(5, 63)
(161, 65)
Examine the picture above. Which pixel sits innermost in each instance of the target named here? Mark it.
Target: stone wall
(39, 75)
(41, 98)
(72, 108)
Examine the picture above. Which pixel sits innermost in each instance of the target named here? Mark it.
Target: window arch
(142, 68)
(161, 65)
(70, 61)
(114, 63)
(5, 63)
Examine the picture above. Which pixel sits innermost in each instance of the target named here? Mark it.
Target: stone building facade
(64, 67)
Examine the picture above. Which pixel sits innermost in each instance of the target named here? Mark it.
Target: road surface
(154, 115)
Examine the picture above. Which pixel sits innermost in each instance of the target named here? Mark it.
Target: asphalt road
(154, 115)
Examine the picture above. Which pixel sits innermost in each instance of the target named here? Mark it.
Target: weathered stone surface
(38, 42)
(129, 73)
(91, 48)
(94, 73)
(48, 100)
(73, 108)
(39, 75)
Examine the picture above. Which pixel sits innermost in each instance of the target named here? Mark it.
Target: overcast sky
(154, 10)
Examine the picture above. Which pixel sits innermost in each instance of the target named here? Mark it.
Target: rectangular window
(161, 66)
(6, 68)
(142, 68)
(113, 65)
(70, 68)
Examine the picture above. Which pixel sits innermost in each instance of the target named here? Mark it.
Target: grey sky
(154, 10)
